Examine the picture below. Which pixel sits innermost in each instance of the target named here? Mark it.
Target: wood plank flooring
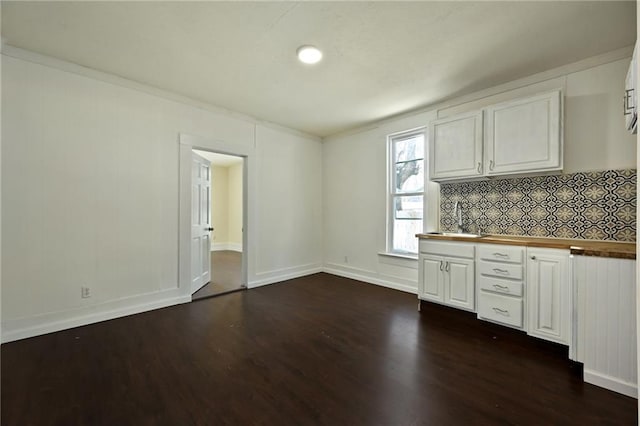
(226, 274)
(318, 350)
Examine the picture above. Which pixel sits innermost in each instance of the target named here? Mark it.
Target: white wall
(289, 198)
(595, 133)
(90, 197)
(354, 191)
(354, 179)
(90, 190)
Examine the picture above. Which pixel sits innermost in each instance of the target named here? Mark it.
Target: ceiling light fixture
(309, 54)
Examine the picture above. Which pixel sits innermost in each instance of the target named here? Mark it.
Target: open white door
(200, 222)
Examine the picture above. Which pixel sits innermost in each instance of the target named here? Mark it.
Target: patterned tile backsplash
(593, 206)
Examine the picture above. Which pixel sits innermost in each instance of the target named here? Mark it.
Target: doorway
(225, 236)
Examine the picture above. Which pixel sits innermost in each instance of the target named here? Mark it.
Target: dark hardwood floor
(226, 274)
(319, 350)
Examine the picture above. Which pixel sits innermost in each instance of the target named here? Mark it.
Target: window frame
(392, 193)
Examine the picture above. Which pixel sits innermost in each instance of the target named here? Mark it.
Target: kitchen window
(406, 191)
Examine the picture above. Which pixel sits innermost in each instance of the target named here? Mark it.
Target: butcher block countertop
(578, 247)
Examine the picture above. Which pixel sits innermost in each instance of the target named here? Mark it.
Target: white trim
(368, 277)
(51, 62)
(227, 246)
(184, 220)
(217, 145)
(408, 133)
(611, 383)
(186, 143)
(284, 274)
(235, 247)
(392, 193)
(23, 328)
(407, 256)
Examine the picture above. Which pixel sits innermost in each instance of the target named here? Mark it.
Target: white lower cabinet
(498, 308)
(446, 274)
(459, 283)
(500, 284)
(549, 295)
(605, 322)
(431, 284)
(587, 303)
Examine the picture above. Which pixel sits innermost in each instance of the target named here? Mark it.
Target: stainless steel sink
(456, 234)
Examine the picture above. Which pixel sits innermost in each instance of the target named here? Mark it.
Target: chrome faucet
(457, 212)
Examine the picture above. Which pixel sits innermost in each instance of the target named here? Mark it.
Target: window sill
(399, 255)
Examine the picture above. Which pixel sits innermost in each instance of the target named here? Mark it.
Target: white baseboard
(23, 328)
(226, 246)
(277, 275)
(371, 277)
(611, 383)
(48, 323)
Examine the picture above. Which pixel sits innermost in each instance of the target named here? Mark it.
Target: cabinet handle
(533, 258)
(501, 311)
(501, 271)
(491, 165)
(446, 267)
(479, 167)
(441, 265)
(628, 106)
(505, 256)
(503, 288)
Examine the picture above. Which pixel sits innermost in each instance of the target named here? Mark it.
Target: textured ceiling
(380, 58)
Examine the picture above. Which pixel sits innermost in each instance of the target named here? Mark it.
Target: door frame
(187, 143)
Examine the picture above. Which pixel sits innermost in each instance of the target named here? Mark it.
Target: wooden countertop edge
(611, 249)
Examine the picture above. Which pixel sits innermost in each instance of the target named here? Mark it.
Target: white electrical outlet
(85, 292)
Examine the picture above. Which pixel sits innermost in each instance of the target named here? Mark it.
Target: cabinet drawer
(439, 248)
(501, 270)
(497, 285)
(500, 253)
(503, 309)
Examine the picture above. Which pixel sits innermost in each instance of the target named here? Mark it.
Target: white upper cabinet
(521, 136)
(524, 135)
(630, 95)
(455, 146)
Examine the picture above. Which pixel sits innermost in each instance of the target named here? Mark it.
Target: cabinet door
(630, 95)
(459, 283)
(430, 284)
(455, 147)
(548, 294)
(524, 135)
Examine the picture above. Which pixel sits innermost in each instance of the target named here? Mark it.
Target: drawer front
(503, 309)
(501, 270)
(500, 253)
(439, 248)
(497, 285)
